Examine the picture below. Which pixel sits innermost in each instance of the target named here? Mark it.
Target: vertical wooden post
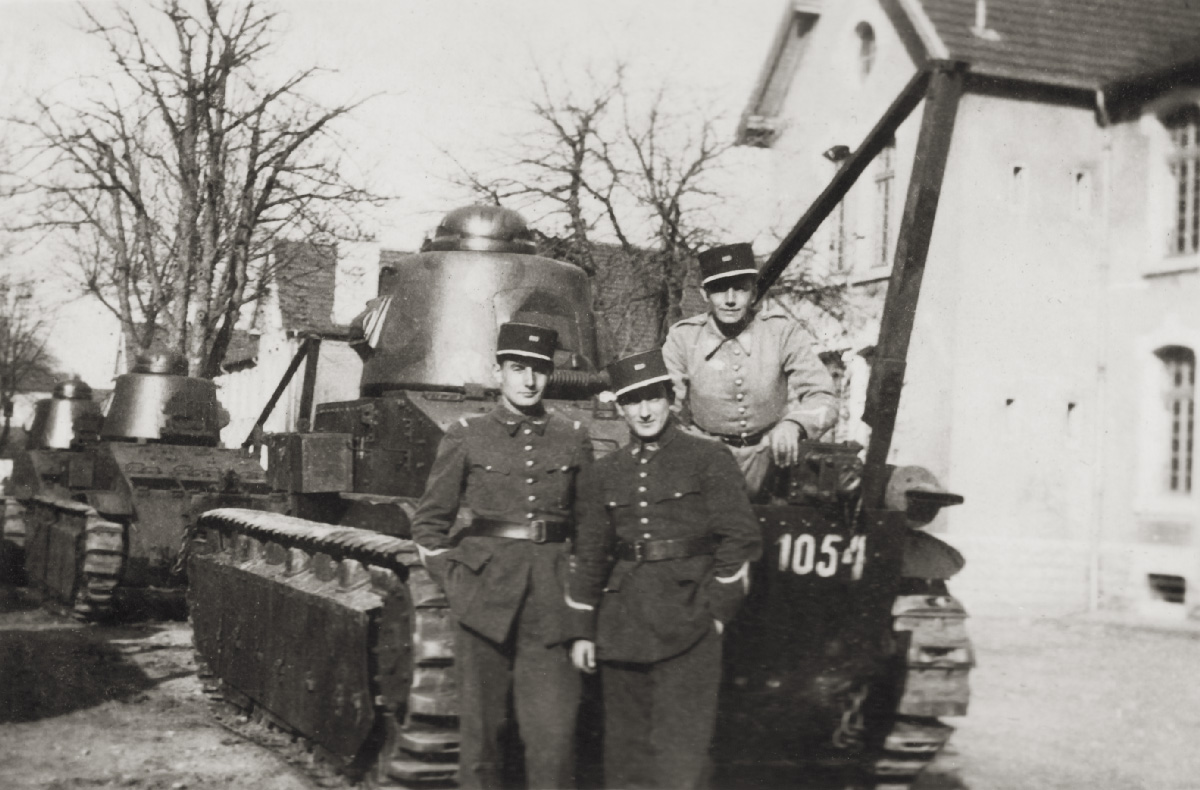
(904, 286)
(304, 420)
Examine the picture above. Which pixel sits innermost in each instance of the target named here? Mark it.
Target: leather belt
(673, 549)
(537, 531)
(742, 440)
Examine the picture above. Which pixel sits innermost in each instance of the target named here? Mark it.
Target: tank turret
(434, 323)
(54, 417)
(159, 402)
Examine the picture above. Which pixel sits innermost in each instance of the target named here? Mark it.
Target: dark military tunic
(686, 488)
(507, 593)
(502, 466)
(655, 624)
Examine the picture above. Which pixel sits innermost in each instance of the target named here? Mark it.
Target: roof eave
(916, 30)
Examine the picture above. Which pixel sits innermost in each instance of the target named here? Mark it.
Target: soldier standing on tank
(665, 536)
(745, 376)
(503, 575)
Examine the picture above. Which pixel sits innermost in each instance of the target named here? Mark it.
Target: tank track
(386, 711)
(928, 680)
(74, 555)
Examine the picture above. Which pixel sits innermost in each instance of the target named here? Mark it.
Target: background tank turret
(159, 402)
(53, 426)
(44, 467)
(110, 514)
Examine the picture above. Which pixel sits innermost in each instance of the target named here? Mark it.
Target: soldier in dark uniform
(515, 470)
(748, 377)
(665, 535)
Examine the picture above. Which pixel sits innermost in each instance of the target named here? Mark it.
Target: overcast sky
(445, 75)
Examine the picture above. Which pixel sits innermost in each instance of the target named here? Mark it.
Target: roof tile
(1069, 43)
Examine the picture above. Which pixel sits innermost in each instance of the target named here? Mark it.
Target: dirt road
(89, 707)
(1057, 705)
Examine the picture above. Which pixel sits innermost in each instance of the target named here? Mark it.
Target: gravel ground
(1077, 704)
(93, 707)
(1057, 704)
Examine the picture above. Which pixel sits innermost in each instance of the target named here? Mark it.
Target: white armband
(571, 602)
(427, 553)
(743, 575)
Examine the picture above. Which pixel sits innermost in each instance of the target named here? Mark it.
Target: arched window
(1183, 159)
(1179, 400)
(866, 48)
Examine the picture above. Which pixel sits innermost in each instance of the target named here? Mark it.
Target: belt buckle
(639, 551)
(537, 531)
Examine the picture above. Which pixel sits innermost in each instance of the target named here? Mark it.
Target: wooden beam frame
(904, 287)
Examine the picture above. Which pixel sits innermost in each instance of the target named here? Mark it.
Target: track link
(74, 555)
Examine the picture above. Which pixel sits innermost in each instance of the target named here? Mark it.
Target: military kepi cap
(730, 260)
(639, 370)
(526, 340)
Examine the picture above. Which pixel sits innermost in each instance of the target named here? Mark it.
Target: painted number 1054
(801, 555)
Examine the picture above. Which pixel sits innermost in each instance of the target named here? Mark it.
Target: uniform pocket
(492, 463)
(679, 489)
(560, 469)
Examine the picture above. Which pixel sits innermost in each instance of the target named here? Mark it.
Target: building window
(1179, 400)
(866, 49)
(837, 245)
(885, 178)
(1183, 127)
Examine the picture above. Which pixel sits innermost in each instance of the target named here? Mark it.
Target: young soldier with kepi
(515, 470)
(671, 511)
(748, 377)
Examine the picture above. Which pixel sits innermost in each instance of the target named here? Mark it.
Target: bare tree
(601, 171)
(23, 354)
(177, 173)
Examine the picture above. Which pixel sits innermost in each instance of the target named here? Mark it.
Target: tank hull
(816, 669)
(107, 533)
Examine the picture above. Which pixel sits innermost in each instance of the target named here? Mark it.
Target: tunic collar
(512, 420)
(647, 450)
(712, 338)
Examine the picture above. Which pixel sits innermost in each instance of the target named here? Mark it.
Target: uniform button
(642, 474)
(527, 431)
(738, 382)
(641, 489)
(736, 368)
(529, 515)
(529, 447)
(529, 463)
(645, 521)
(678, 494)
(488, 467)
(566, 468)
(612, 504)
(741, 396)
(644, 504)
(743, 423)
(737, 352)
(643, 460)
(741, 409)
(532, 498)
(529, 480)
(645, 534)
